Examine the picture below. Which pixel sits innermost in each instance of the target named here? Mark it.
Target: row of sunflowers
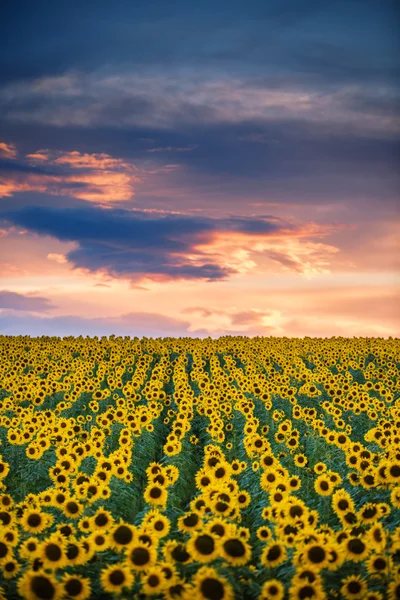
(210, 469)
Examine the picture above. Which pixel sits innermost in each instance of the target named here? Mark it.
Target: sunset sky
(177, 168)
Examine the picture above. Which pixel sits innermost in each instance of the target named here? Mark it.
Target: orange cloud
(38, 156)
(288, 249)
(92, 177)
(7, 150)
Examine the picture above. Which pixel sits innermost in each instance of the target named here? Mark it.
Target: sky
(187, 169)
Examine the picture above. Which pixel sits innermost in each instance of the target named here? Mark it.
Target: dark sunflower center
(204, 544)
(191, 520)
(354, 587)
(73, 587)
(316, 554)
(140, 556)
(307, 591)
(212, 588)
(235, 548)
(356, 546)
(117, 577)
(274, 553)
(34, 520)
(380, 564)
(101, 520)
(72, 551)
(53, 552)
(42, 587)
(153, 581)
(180, 554)
(123, 535)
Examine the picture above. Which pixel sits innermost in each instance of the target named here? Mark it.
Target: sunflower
(203, 547)
(116, 577)
(178, 589)
(189, 521)
(323, 485)
(395, 497)
(10, 568)
(300, 460)
(29, 549)
(353, 588)
(102, 520)
(76, 586)
(356, 549)
(394, 590)
(84, 525)
(39, 586)
(153, 581)
(75, 552)
(306, 591)
(155, 494)
(122, 534)
(319, 468)
(5, 549)
(243, 499)
(52, 552)
(219, 527)
(72, 509)
(34, 521)
(315, 554)
(342, 502)
(209, 585)
(272, 590)
(376, 537)
(159, 525)
(379, 563)
(99, 541)
(175, 551)
(273, 554)
(264, 533)
(140, 556)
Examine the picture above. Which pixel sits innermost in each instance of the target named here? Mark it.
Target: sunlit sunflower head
(323, 486)
(52, 552)
(353, 588)
(153, 581)
(176, 552)
(116, 577)
(273, 554)
(39, 585)
(356, 549)
(99, 541)
(76, 587)
(102, 520)
(209, 585)
(140, 556)
(35, 521)
(273, 589)
(155, 495)
(159, 526)
(189, 522)
(203, 546)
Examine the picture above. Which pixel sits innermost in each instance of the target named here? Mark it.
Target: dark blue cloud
(48, 38)
(134, 324)
(135, 243)
(15, 301)
(17, 166)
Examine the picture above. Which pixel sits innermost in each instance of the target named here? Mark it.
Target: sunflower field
(202, 469)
